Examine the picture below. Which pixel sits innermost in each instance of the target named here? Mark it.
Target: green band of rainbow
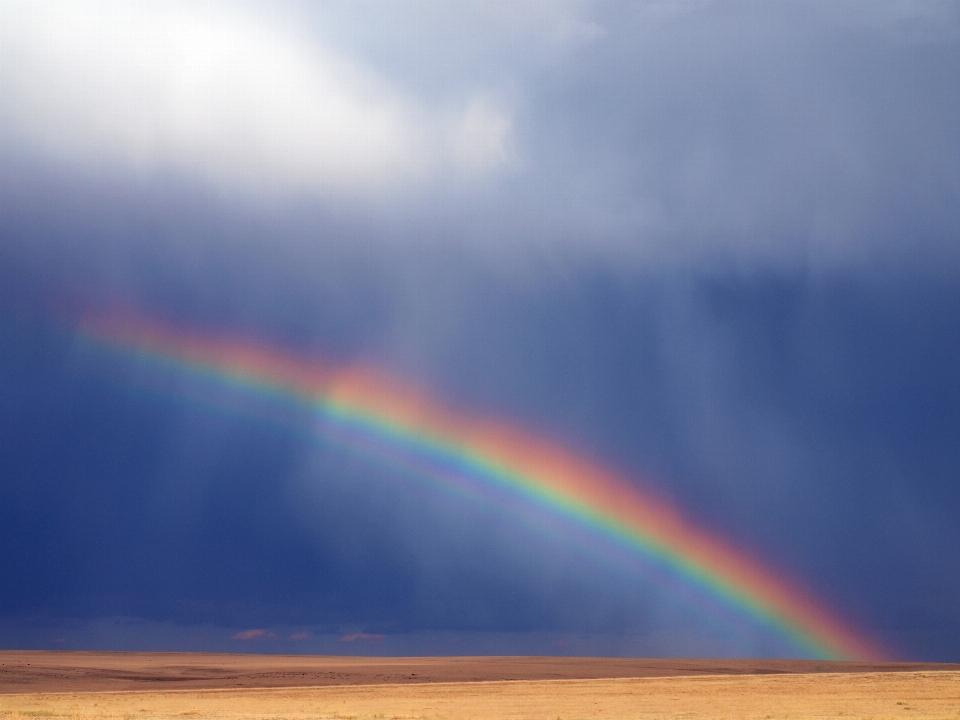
(376, 413)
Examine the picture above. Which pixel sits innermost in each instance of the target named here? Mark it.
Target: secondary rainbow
(379, 415)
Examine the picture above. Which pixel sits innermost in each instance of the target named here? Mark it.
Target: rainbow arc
(380, 416)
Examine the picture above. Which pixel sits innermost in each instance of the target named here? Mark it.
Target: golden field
(860, 695)
(765, 695)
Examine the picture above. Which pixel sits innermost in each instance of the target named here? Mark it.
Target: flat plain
(150, 686)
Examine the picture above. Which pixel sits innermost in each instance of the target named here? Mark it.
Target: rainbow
(379, 416)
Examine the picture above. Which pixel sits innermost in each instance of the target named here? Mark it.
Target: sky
(710, 247)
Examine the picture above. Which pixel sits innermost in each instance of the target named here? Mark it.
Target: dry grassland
(877, 695)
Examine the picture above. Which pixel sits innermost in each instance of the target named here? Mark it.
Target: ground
(147, 686)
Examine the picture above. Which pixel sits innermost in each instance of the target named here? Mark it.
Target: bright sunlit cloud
(226, 95)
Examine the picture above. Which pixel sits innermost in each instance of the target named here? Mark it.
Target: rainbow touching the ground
(379, 415)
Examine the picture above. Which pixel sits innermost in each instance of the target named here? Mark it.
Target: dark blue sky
(713, 247)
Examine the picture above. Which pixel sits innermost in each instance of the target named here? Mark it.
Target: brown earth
(174, 686)
(834, 696)
(49, 671)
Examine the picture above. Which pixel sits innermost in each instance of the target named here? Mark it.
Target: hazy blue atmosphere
(714, 247)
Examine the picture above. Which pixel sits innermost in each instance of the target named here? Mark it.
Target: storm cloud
(712, 246)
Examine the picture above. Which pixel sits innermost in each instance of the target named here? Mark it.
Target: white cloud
(480, 137)
(225, 94)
